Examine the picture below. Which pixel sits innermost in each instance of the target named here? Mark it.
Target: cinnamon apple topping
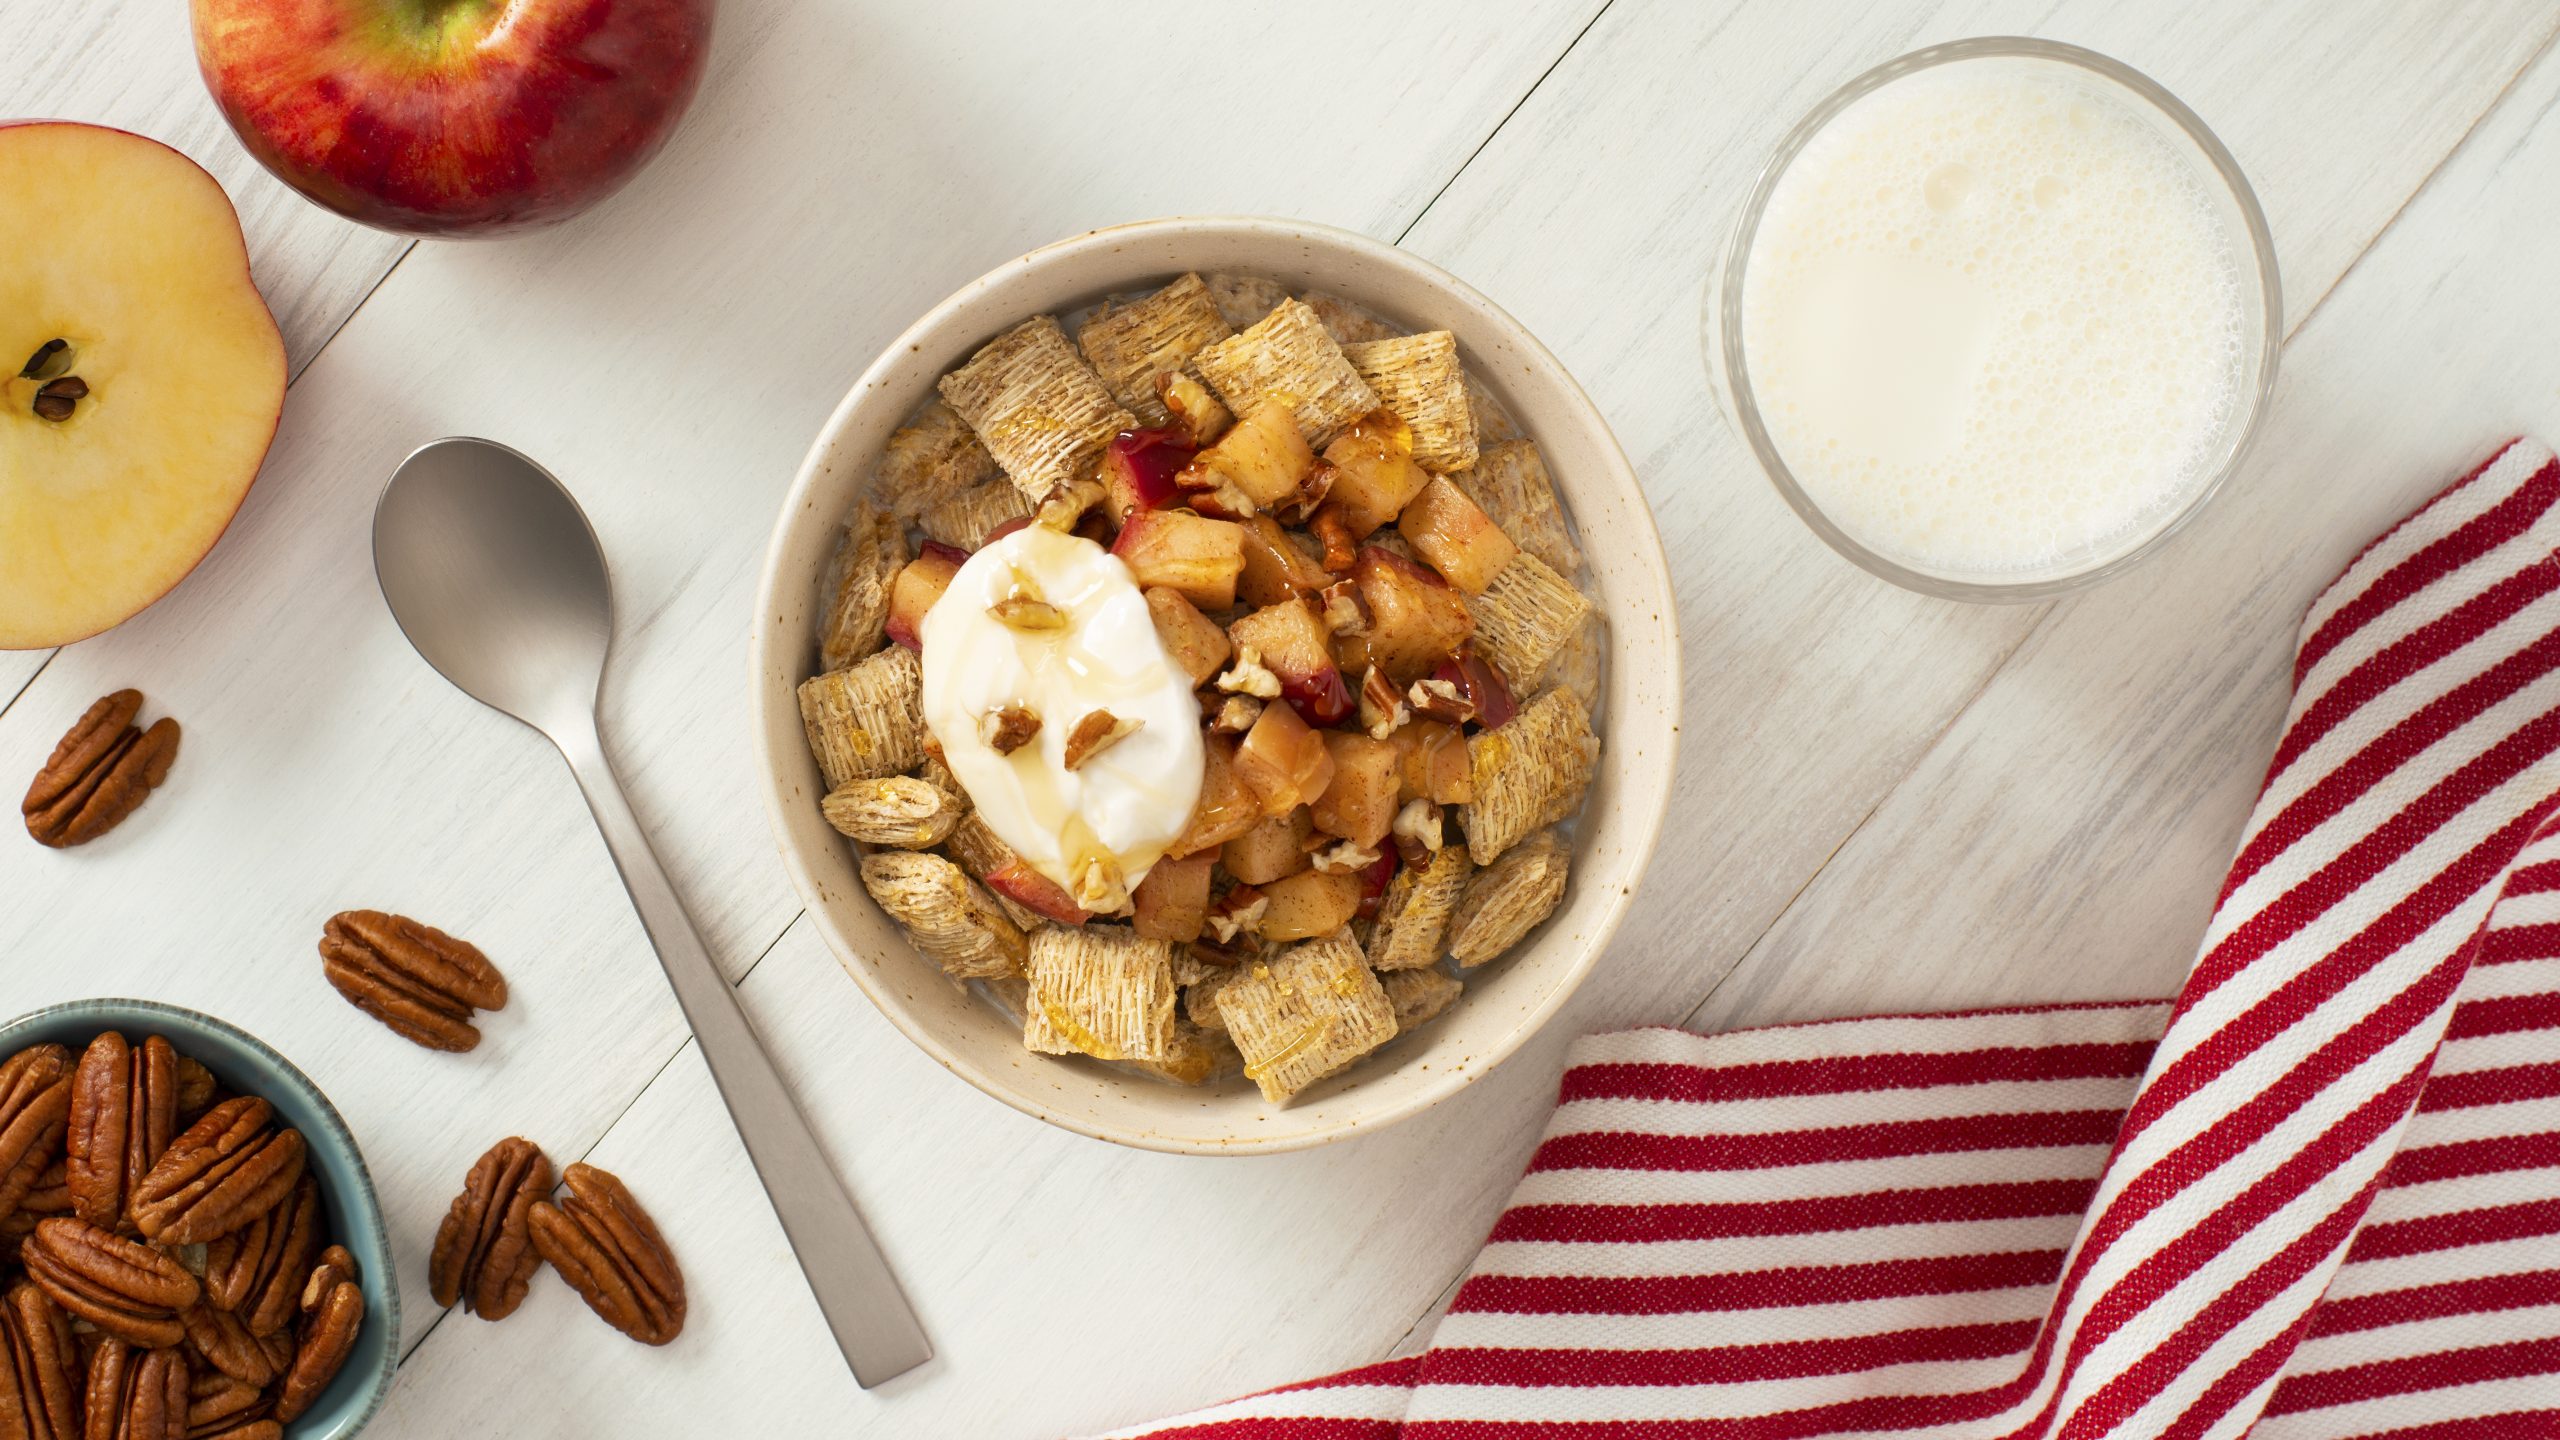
(1321, 690)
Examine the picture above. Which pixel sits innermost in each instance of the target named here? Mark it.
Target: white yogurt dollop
(1129, 802)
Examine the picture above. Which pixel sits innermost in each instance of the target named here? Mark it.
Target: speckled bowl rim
(1641, 699)
(356, 1190)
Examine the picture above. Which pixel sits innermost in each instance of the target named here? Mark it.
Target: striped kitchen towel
(2315, 1196)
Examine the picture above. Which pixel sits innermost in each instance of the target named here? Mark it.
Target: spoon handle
(873, 1324)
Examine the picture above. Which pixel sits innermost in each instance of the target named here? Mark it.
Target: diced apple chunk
(1275, 566)
(1138, 467)
(1361, 803)
(918, 585)
(1446, 529)
(1263, 456)
(1310, 903)
(1416, 620)
(1293, 645)
(1227, 806)
(1172, 903)
(1198, 644)
(1193, 554)
(1432, 763)
(1282, 761)
(1270, 851)
(1374, 473)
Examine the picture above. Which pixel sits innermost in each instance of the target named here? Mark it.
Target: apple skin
(453, 117)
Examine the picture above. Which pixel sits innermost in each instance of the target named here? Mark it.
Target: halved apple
(126, 447)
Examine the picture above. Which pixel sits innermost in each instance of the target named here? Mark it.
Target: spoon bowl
(494, 574)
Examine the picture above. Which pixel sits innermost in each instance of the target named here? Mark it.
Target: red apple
(453, 117)
(140, 376)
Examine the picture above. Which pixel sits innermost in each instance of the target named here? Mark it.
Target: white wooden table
(1885, 801)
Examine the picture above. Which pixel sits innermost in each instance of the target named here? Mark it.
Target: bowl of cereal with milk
(1216, 684)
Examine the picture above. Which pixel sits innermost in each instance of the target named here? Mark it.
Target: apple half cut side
(126, 447)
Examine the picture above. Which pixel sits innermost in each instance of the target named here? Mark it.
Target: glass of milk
(1997, 319)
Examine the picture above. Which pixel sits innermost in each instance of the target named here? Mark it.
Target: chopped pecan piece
(1236, 714)
(35, 1108)
(609, 1251)
(1383, 711)
(124, 1110)
(332, 1315)
(483, 1257)
(416, 979)
(1008, 728)
(136, 1394)
(1098, 731)
(228, 1169)
(125, 1288)
(99, 773)
(40, 1366)
(1021, 612)
(256, 1272)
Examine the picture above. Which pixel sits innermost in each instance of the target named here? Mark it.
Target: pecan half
(609, 1251)
(223, 1342)
(99, 773)
(332, 1314)
(483, 1255)
(128, 1290)
(256, 1272)
(416, 979)
(39, 1366)
(124, 1108)
(196, 1090)
(35, 1107)
(228, 1169)
(248, 1430)
(220, 1405)
(136, 1394)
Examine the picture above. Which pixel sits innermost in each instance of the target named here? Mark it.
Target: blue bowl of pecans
(174, 1185)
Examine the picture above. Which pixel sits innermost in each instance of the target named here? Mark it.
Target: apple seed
(60, 397)
(50, 360)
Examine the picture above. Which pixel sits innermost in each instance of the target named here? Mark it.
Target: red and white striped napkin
(2317, 1194)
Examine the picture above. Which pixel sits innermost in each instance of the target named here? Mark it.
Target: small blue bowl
(247, 1066)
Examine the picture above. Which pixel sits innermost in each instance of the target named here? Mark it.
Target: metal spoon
(496, 578)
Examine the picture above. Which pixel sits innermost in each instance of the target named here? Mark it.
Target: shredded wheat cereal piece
(1345, 321)
(1527, 775)
(1104, 991)
(1507, 899)
(953, 923)
(1244, 299)
(1305, 1014)
(1493, 418)
(1413, 916)
(1576, 668)
(1524, 618)
(1419, 996)
(1419, 378)
(1287, 354)
(966, 519)
(982, 853)
(930, 461)
(1130, 345)
(867, 720)
(900, 811)
(1511, 485)
(1200, 1001)
(1036, 407)
(874, 549)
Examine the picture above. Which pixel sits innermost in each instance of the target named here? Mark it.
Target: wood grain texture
(670, 355)
(2065, 838)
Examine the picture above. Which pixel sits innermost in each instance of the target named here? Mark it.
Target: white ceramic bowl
(1640, 709)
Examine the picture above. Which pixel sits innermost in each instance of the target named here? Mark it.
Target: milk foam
(1994, 320)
